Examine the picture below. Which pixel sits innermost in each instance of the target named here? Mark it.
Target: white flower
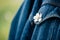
(37, 18)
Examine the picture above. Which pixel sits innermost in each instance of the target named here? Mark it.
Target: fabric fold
(52, 2)
(23, 27)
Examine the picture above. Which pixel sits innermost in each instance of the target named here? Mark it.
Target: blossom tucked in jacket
(24, 28)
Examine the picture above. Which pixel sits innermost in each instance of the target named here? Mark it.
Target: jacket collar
(53, 14)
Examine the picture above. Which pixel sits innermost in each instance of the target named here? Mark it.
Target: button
(37, 18)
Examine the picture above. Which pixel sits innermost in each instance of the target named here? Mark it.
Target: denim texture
(23, 27)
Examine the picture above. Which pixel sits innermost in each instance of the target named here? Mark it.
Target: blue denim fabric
(52, 2)
(28, 28)
(23, 27)
(23, 18)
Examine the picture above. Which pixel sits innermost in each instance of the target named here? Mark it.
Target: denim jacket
(23, 27)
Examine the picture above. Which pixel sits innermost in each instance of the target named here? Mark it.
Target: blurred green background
(8, 9)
